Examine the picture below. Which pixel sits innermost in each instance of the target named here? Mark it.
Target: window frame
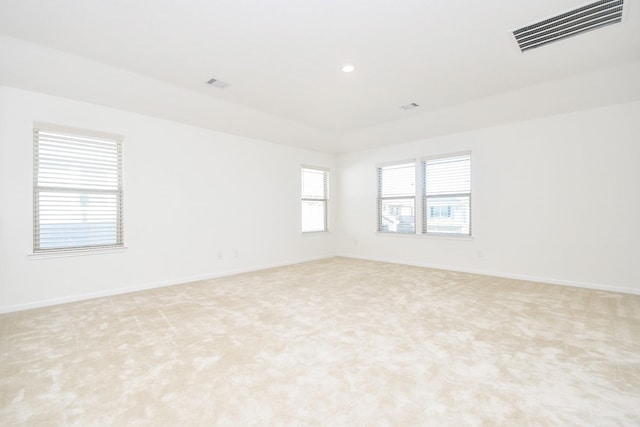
(381, 198)
(86, 136)
(422, 164)
(420, 198)
(324, 199)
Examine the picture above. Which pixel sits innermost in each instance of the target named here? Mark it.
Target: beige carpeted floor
(338, 342)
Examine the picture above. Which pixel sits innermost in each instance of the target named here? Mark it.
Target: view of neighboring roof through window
(444, 192)
(447, 195)
(397, 198)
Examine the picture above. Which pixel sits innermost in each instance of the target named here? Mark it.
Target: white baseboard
(154, 285)
(549, 280)
(118, 291)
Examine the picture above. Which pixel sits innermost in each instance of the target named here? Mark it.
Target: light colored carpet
(338, 342)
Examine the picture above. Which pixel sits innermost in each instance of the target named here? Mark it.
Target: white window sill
(427, 236)
(311, 233)
(66, 254)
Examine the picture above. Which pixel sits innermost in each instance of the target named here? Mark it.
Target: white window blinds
(396, 198)
(315, 198)
(77, 191)
(446, 200)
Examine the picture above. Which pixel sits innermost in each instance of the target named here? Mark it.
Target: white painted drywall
(44, 70)
(555, 199)
(190, 194)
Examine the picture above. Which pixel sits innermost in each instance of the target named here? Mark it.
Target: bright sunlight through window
(315, 197)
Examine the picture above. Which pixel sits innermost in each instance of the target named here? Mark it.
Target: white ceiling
(283, 59)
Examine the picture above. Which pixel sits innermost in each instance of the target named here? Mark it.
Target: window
(315, 197)
(446, 198)
(77, 190)
(397, 198)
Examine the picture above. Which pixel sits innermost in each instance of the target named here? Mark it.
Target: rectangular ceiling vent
(409, 106)
(585, 18)
(218, 83)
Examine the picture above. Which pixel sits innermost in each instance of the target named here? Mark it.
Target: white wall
(190, 194)
(555, 199)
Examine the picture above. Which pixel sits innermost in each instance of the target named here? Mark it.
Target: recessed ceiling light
(347, 68)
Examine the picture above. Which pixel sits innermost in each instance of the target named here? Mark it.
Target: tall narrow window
(315, 198)
(77, 194)
(397, 198)
(446, 198)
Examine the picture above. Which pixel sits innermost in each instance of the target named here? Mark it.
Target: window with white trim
(397, 198)
(446, 197)
(77, 190)
(315, 199)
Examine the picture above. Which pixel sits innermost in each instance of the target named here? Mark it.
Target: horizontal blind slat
(396, 180)
(396, 198)
(446, 202)
(77, 191)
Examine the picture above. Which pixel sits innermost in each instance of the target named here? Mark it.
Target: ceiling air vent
(409, 106)
(585, 18)
(218, 83)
